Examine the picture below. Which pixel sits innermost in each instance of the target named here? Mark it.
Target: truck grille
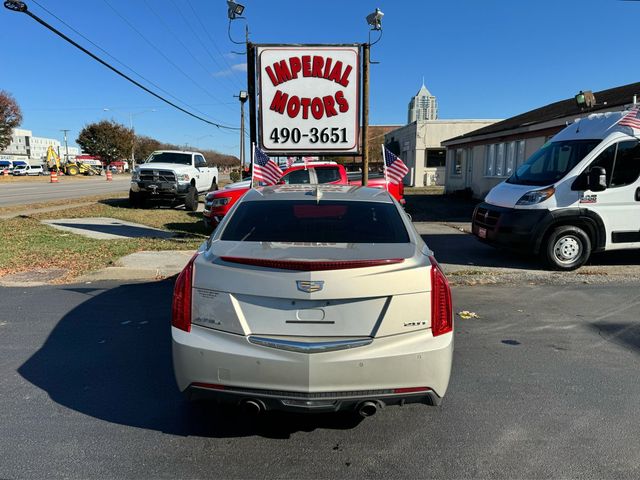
(486, 218)
(157, 176)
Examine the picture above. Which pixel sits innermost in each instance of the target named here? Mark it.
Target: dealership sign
(309, 99)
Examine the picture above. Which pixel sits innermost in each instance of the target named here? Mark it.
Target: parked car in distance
(174, 177)
(217, 204)
(32, 170)
(313, 298)
(578, 194)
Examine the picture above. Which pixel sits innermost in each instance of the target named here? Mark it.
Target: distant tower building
(423, 106)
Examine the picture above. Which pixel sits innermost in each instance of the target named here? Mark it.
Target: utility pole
(66, 147)
(365, 114)
(243, 96)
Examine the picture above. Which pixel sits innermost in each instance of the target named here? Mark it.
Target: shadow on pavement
(464, 250)
(110, 358)
(440, 208)
(624, 334)
(116, 228)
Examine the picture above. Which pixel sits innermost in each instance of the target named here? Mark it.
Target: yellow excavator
(68, 168)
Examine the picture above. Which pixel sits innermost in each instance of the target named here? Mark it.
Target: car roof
(319, 192)
(176, 151)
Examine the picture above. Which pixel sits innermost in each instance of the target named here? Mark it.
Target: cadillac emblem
(309, 286)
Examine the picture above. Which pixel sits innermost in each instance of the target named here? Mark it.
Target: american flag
(631, 119)
(265, 170)
(395, 169)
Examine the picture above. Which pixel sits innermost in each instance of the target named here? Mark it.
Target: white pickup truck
(172, 176)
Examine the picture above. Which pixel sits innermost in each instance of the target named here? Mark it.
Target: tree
(10, 118)
(107, 139)
(145, 146)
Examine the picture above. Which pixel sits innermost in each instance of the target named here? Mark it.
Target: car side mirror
(597, 179)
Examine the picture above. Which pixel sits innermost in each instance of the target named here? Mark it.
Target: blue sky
(482, 59)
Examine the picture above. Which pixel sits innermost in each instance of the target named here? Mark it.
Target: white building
(419, 146)
(27, 148)
(423, 106)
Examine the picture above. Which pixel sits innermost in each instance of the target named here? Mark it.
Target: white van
(33, 170)
(578, 194)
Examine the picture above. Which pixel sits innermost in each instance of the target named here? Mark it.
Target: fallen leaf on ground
(466, 315)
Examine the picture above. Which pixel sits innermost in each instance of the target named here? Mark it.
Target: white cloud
(239, 67)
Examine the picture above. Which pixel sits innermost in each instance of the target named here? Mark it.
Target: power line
(204, 47)
(213, 42)
(159, 51)
(19, 6)
(178, 39)
(117, 60)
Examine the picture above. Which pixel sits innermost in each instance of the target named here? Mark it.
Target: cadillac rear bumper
(410, 367)
(308, 402)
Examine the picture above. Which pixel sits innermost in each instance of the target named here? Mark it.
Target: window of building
(501, 159)
(436, 157)
(520, 152)
(456, 165)
(511, 158)
(489, 160)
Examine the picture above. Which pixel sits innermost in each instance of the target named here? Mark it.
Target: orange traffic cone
(109, 176)
(54, 176)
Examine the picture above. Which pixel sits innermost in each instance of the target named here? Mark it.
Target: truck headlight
(183, 177)
(536, 196)
(135, 177)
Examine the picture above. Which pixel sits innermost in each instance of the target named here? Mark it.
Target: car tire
(214, 185)
(191, 200)
(567, 248)
(134, 199)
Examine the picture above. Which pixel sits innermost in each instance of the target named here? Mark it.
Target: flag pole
(384, 166)
(253, 161)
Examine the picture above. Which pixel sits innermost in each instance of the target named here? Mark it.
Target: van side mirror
(597, 179)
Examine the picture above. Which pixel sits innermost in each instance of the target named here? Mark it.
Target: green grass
(28, 244)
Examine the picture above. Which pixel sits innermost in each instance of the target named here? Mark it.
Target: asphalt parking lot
(545, 385)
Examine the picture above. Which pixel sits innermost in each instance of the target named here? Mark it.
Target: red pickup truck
(219, 202)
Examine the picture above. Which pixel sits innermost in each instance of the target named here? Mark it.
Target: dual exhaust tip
(254, 407)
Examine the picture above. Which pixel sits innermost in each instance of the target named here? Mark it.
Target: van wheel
(567, 248)
(191, 200)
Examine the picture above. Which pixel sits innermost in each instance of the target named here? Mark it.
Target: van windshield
(552, 162)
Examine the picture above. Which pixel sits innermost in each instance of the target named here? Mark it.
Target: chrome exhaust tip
(252, 407)
(367, 409)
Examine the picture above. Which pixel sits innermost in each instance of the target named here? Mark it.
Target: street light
(234, 10)
(375, 19)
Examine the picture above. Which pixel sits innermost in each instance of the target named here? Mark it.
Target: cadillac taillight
(181, 306)
(441, 308)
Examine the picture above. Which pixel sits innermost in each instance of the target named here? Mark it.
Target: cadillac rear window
(311, 221)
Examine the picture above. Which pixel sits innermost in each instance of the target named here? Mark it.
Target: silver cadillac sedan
(314, 299)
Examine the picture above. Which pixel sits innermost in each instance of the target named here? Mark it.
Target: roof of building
(605, 100)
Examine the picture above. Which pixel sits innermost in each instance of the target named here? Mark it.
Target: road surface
(545, 384)
(18, 193)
